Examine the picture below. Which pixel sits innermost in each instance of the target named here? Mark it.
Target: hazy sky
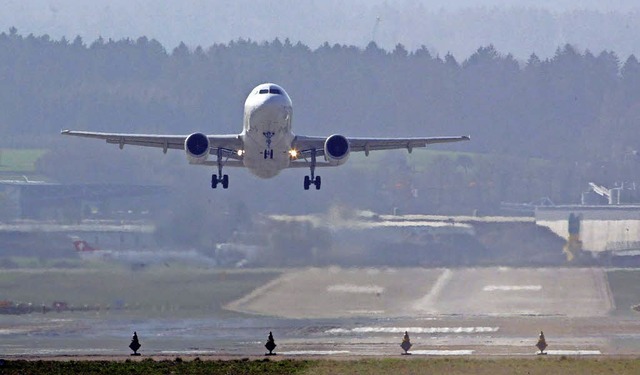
(204, 22)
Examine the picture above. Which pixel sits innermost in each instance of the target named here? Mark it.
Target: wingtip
(466, 137)
(65, 131)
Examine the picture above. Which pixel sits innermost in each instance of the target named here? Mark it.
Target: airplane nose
(274, 100)
(273, 105)
(273, 109)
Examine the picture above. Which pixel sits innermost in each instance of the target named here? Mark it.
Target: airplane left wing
(229, 142)
(303, 143)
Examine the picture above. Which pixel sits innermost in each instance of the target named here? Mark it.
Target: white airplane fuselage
(266, 132)
(267, 144)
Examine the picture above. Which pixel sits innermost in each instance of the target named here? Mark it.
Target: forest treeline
(460, 27)
(544, 126)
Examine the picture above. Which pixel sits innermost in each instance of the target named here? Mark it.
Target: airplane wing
(230, 143)
(304, 144)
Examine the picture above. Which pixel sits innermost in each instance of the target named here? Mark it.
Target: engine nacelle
(336, 149)
(196, 146)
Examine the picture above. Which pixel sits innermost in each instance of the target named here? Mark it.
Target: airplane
(267, 144)
(137, 258)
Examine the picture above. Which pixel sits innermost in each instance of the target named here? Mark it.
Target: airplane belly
(267, 137)
(254, 157)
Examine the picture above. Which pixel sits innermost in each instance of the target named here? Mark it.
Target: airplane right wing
(371, 144)
(304, 143)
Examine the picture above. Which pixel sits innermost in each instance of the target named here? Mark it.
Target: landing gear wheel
(214, 181)
(271, 154)
(313, 179)
(225, 181)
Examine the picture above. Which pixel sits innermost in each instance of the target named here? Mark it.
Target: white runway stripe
(441, 352)
(187, 352)
(510, 288)
(315, 352)
(366, 312)
(357, 289)
(573, 352)
(426, 303)
(414, 330)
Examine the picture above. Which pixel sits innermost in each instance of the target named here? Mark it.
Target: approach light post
(135, 344)
(270, 345)
(406, 343)
(542, 344)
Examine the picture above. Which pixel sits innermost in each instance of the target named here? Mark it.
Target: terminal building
(38, 200)
(606, 224)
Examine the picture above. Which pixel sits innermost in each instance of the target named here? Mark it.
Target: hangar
(40, 200)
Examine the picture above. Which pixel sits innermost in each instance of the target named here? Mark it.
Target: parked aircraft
(137, 258)
(267, 144)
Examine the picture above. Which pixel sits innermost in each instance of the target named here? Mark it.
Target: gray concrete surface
(360, 312)
(419, 292)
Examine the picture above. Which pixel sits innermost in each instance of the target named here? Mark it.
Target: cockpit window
(264, 91)
(275, 91)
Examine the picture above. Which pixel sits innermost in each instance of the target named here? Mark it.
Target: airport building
(601, 228)
(39, 218)
(46, 201)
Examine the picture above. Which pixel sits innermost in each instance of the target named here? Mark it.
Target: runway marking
(240, 304)
(466, 330)
(366, 312)
(357, 289)
(512, 288)
(315, 352)
(187, 352)
(573, 352)
(442, 352)
(68, 351)
(13, 331)
(435, 291)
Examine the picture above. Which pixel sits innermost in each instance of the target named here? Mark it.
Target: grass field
(156, 289)
(14, 160)
(423, 160)
(449, 366)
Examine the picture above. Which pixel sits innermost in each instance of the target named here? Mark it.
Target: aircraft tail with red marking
(82, 245)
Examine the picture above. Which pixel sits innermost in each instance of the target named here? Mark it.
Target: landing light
(240, 152)
(293, 154)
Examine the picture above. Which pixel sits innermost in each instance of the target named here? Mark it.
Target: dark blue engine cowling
(197, 147)
(336, 149)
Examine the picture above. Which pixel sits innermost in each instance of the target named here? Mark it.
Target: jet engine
(196, 146)
(336, 149)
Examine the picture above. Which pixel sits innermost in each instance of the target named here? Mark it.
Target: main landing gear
(313, 179)
(219, 178)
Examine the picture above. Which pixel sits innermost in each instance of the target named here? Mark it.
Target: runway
(419, 292)
(335, 312)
